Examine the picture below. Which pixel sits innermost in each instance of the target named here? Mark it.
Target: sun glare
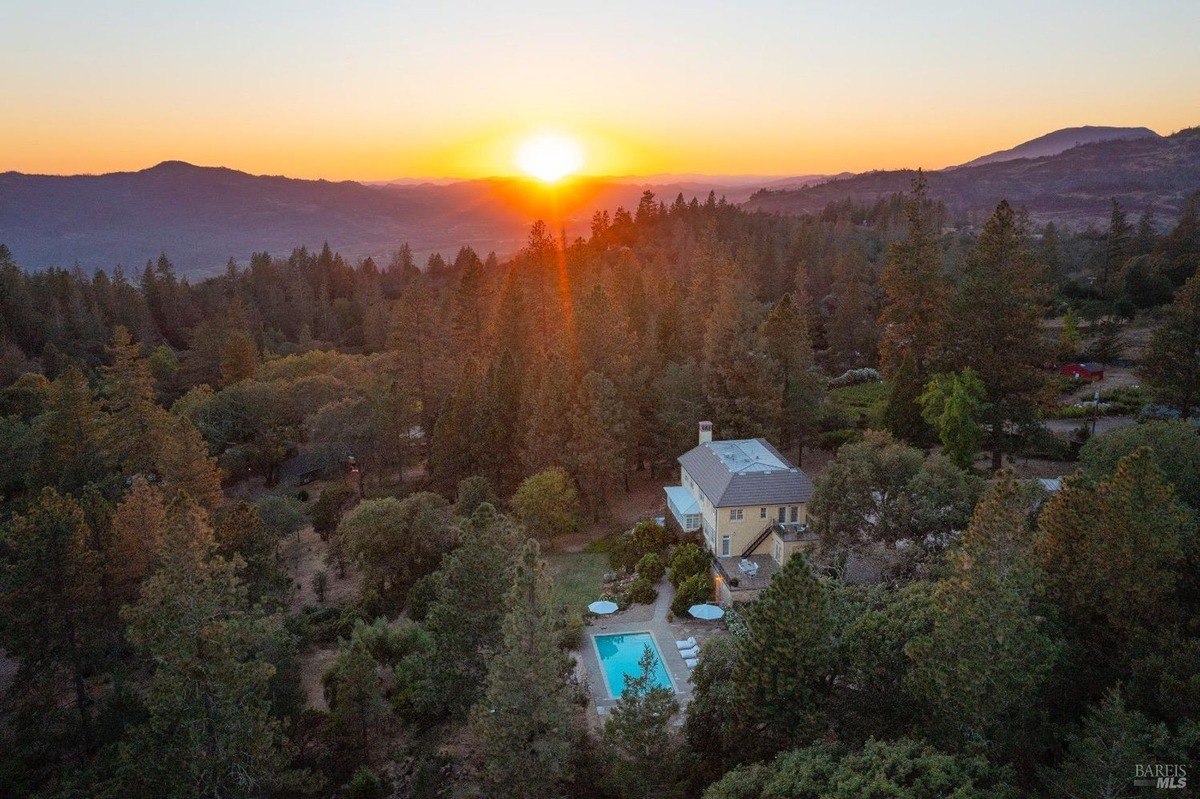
(549, 157)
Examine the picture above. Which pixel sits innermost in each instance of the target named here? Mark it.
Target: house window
(735, 514)
(795, 513)
(782, 514)
(762, 513)
(778, 550)
(726, 543)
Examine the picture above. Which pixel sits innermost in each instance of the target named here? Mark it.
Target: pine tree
(1118, 245)
(1113, 555)
(786, 658)
(524, 719)
(50, 595)
(641, 753)
(736, 376)
(208, 729)
(784, 339)
(137, 531)
(598, 453)
(359, 713)
(853, 334)
(137, 427)
(466, 618)
(239, 357)
(982, 666)
(1171, 366)
(953, 404)
(996, 325)
(917, 294)
(71, 426)
(185, 466)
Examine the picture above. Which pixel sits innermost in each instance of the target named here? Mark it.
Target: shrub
(648, 537)
(651, 568)
(852, 377)
(688, 561)
(695, 590)
(364, 785)
(327, 511)
(641, 592)
(547, 504)
(834, 439)
(281, 515)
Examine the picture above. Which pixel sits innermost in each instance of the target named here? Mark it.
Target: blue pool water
(619, 655)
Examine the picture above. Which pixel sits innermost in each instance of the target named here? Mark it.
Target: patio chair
(691, 662)
(690, 653)
(685, 644)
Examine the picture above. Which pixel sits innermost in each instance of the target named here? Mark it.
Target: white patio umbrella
(603, 607)
(706, 612)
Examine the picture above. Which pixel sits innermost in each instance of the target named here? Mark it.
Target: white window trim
(726, 545)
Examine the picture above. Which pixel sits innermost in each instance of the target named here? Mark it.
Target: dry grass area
(303, 556)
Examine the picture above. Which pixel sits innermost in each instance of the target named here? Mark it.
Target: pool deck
(650, 619)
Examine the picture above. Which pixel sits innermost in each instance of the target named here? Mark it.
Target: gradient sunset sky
(382, 90)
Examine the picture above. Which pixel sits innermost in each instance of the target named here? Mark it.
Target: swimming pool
(619, 655)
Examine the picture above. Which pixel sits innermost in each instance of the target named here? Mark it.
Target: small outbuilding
(1087, 370)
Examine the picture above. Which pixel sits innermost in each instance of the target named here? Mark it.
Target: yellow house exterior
(748, 503)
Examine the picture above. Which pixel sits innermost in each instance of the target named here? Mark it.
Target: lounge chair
(691, 662)
(690, 653)
(686, 644)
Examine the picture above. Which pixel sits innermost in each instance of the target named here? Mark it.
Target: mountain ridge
(1073, 187)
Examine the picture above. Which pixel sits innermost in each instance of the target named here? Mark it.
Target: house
(748, 503)
(1089, 371)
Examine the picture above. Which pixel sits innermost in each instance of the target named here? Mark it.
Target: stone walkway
(648, 619)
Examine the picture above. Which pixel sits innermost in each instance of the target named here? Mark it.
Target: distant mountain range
(1071, 186)
(202, 216)
(1062, 140)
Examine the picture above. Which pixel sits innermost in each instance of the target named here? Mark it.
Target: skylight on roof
(747, 456)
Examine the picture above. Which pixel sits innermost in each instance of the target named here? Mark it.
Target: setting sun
(549, 157)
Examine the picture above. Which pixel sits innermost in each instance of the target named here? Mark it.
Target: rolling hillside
(202, 216)
(1072, 187)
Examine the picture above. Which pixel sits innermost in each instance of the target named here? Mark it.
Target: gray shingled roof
(753, 479)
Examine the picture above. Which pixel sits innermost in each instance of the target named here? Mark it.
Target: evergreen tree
(1118, 245)
(786, 659)
(208, 728)
(72, 429)
(784, 339)
(50, 595)
(987, 657)
(996, 328)
(1113, 555)
(360, 716)
(917, 293)
(1102, 753)
(1171, 366)
(137, 428)
(136, 536)
(642, 756)
(239, 357)
(524, 719)
(467, 615)
(952, 404)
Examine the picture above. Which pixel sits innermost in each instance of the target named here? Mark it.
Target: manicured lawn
(865, 398)
(578, 578)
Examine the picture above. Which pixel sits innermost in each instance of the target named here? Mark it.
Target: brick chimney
(705, 432)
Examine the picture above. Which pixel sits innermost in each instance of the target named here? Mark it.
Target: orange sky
(374, 91)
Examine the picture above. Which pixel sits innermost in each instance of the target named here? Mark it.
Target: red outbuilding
(1089, 371)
